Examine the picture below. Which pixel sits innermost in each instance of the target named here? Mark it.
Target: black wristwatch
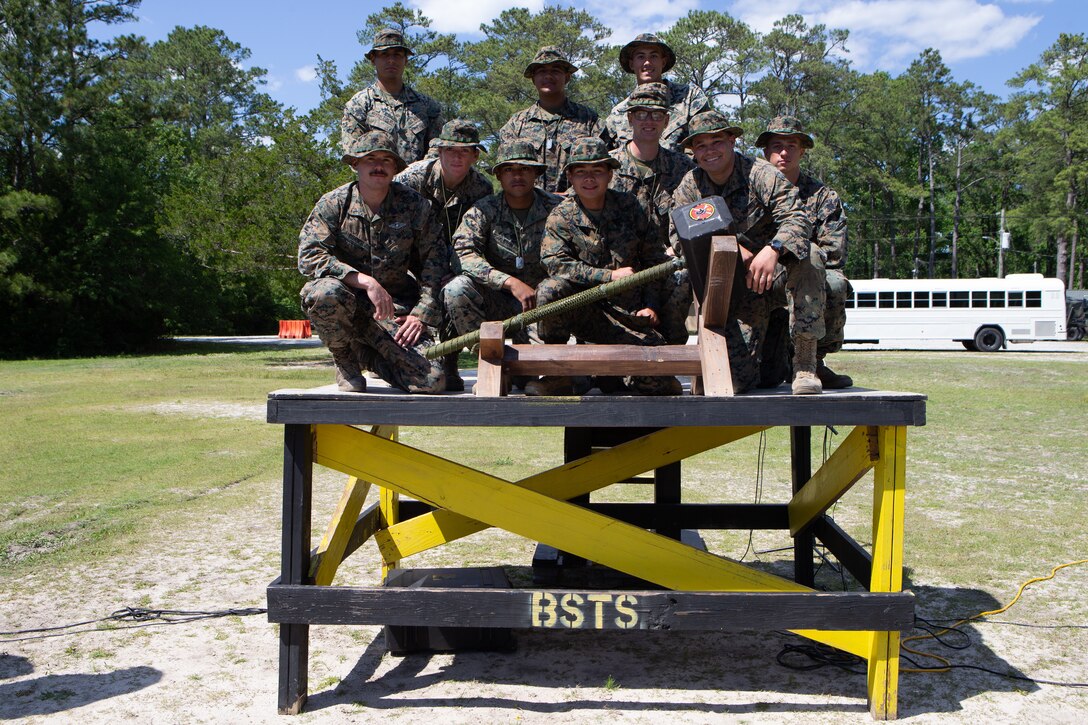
(777, 247)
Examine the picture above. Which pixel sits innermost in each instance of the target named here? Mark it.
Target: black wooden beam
(589, 609)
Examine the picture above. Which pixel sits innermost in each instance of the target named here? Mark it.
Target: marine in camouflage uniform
(412, 119)
(593, 236)
(769, 215)
(651, 173)
(498, 245)
(452, 184)
(785, 143)
(355, 253)
(554, 122)
(684, 101)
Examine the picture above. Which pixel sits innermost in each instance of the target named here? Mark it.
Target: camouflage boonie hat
(646, 39)
(550, 55)
(710, 122)
(520, 153)
(458, 132)
(367, 144)
(590, 150)
(649, 95)
(785, 126)
(385, 39)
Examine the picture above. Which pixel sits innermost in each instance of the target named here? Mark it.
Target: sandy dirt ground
(224, 670)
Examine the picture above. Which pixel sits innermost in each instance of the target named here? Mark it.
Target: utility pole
(1004, 242)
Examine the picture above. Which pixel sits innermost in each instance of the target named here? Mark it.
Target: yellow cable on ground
(946, 664)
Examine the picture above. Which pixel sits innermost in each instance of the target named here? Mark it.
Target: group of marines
(417, 247)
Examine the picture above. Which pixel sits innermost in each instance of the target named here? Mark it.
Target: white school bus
(983, 314)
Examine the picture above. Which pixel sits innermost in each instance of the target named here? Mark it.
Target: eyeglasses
(642, 115)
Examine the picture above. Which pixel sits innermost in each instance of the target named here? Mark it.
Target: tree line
(155, 188)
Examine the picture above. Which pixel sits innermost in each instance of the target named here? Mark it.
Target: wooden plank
(489, 373)
(845, 467)
(576, 478)
(601, 359)
(804, 542)
(330, 552)
(851, 407)
(537, 517)
(843, 547)
(709, 516)
(889, 488)
(719, 280)
(366, 525)
(716, 379)
(294, 647)
(591, 609)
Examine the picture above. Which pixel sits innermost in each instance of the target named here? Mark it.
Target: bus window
(887, 299)
(1035, 298)
(902, 299)
(940, 299)
(1016, 299)
(921, 299)
(866, 299)
(997, 299)
(958, 299)
(978, 299)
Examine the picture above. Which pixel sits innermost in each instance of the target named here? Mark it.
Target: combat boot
(349, 378)
(454, 382)
(805, 381)
(550, 385)
(832, 380)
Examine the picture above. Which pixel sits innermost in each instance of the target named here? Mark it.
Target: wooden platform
(608, 439)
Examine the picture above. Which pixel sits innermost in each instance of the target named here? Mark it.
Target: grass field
(107, 459)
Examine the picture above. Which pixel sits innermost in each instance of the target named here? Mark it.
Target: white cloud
(889, 34)
(306, 74)
(466, 16)
(630, 19)
(273, 83)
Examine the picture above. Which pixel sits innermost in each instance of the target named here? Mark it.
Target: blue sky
(983, 41)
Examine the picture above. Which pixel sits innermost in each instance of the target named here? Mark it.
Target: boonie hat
(458, 132)
(649, 95)
(710, 122)
(590, 150)
(646, 39)
(385, 39)
(785, 126)
(520, 153)
(550, 55)
(367, 144)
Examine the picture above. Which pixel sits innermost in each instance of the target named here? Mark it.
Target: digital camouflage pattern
(685, 101)
(785, 126)
(397, 246)
(628, 50)
(488, 243)
(580, 249)
(448, 206)
(551, 136)
(829, 235)
(549, 55)
(766, 207)
(386, 39)
(411, 118)
(652, 184)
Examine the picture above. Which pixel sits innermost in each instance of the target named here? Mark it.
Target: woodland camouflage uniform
(766, 209)
(551, 134)
(684, 101)
(489, 243)
(411, 118)
(342, 236)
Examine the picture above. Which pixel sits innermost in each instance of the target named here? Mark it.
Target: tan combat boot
(348, 376)
(831, 379)
(805, 381)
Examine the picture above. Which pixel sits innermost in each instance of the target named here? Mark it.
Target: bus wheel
(969, 345)
(989, 339)
(1076, 333)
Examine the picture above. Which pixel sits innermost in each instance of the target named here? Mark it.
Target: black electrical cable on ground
(142, 616)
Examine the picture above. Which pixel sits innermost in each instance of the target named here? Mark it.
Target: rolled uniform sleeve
(317, 241)
(558, 251)
(433, 268)
(470, 244)
(783, 200)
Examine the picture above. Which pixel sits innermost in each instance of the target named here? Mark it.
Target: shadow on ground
(608, 665)
(51, 694)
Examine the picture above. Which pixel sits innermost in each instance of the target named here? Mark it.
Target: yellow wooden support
(330, 552)
(889, 488)
(621, 546)
(850, 461)
(563, 482)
